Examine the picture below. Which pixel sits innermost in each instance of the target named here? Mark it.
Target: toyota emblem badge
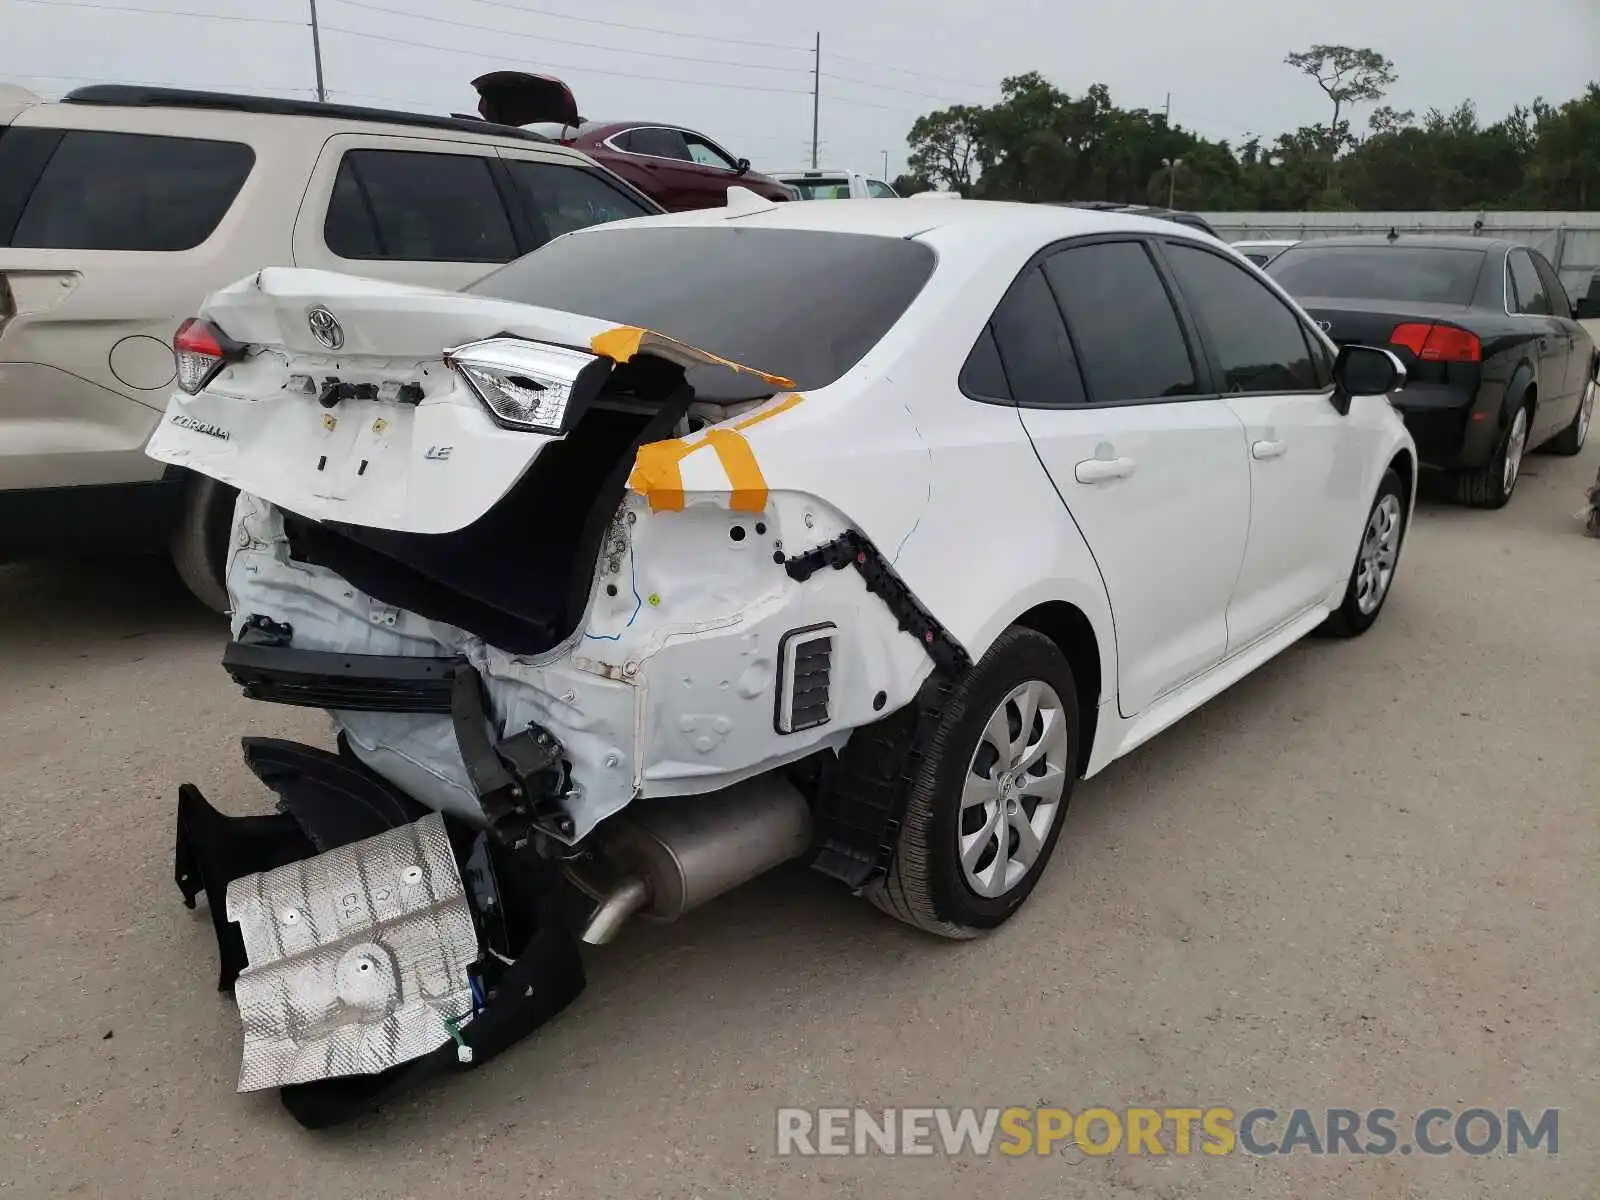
(325, 327)
(1325, 326)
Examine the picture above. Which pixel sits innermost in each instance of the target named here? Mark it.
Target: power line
(862, 62)
(888, 87)
(161, 12)
(703, 37)
(154, 83)
(539, 37)
(741, 87)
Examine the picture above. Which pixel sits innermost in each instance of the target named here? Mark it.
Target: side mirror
(1365, 371)
(742, 167)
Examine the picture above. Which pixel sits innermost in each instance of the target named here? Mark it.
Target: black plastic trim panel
(349, 682)
(852, 549)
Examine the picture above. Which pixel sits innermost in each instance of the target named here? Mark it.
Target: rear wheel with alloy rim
(1492, 484)
(1376, 560)
(985, 811)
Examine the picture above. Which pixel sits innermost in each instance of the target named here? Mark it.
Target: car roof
(116, 95)
(1414, 241)
(911, 217)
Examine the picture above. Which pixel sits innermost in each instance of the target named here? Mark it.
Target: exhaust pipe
(676, 853)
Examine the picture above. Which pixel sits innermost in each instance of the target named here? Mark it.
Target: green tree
(1041, 143)
(944, 147)
(1347, 76)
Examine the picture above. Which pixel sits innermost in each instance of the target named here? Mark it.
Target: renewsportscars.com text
(1171, 1131)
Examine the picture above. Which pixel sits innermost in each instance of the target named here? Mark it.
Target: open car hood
(518, 98)
(342, 405)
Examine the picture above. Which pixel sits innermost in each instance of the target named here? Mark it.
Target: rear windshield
(87, 190)
(821, 189)
(805, 304)
(1415, 273)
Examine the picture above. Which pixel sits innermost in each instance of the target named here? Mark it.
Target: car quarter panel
(949, 490)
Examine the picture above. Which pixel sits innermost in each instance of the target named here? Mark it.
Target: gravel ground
(1366, 876)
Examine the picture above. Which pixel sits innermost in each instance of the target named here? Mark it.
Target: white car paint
(1190, 568)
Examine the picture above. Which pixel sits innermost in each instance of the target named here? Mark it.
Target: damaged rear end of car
(594, 631)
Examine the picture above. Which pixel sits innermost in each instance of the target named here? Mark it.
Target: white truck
(820, 184)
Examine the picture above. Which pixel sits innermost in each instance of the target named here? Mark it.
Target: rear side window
(88, 190)
(1554, 289)
(1256, 341)
(658, 143)
(805, 304)
(1032, 344)
(417, 207)
(1427, 274)
(1127, 335)
(559, 199)
(983, 376)
(878, 190)
(1530, 296)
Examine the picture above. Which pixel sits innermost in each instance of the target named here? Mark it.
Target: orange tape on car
(622, 343)
(657, 473)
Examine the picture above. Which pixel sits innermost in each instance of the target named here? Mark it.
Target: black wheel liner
(861, 797)
(330, 800)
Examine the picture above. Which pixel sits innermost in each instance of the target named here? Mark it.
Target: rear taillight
(1438, 343)
(8, 305)
(202, 350)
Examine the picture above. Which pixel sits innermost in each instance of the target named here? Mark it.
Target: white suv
(121, 208)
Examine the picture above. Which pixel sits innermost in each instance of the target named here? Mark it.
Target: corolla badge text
(438, 453)
(325, 327)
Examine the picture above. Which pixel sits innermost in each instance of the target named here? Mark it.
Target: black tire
(926, 885)
(199, 545)
(1570, 440)
(1485, 487)
(1349, 619)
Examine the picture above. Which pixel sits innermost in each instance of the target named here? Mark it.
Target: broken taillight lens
(530, 385)
(202, 350)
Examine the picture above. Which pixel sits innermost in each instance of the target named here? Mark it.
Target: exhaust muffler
(674, 854)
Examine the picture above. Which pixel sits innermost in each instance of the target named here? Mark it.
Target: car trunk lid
(341, 406)
(1375, 322)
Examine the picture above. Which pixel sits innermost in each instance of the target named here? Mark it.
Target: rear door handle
(1267, 449)
(1099, 470)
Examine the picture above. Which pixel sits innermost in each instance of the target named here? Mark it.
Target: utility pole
(816, 99)
(316, 52)
(1167, 118)
(886, 166)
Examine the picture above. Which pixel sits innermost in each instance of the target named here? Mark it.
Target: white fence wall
(1570, 240)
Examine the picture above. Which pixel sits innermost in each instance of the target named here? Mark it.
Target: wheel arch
(1523, 389)
(1069, 627)
(1404, 464)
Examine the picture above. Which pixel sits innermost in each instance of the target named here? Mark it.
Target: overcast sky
(883, 61)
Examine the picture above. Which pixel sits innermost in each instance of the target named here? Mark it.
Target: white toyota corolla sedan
(685, 546)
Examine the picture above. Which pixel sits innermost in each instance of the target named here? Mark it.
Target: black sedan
(1496, 364)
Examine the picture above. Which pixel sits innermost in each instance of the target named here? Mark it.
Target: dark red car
(676, 167)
